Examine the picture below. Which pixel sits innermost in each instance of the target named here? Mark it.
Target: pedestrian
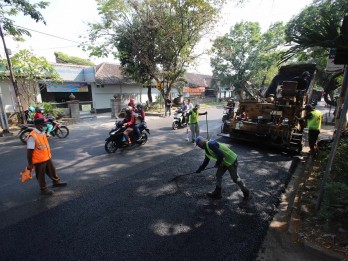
(225, 159)
(314, 118)
(168, 106)
(39, 156)
(193, 121)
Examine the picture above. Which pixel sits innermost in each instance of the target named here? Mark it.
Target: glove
(199, 170)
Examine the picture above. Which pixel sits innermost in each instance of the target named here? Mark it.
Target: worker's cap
(306, 74)
(308, 107)
(40, 121)
(199, 139)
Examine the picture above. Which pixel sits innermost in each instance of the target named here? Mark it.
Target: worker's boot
(216, 194)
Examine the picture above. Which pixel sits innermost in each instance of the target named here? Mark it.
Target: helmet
(197, 106)
(306, 74)
(31, 109)
(39, 109)
(129, 110)
(309, 107)
(140, 106)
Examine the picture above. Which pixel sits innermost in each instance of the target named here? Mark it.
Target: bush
(50, 109)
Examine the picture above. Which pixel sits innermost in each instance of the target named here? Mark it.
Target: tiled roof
(198, 80)
(108, 73)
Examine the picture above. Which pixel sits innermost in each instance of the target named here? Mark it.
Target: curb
(294, 220)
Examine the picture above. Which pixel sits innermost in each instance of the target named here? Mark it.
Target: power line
(48, 34)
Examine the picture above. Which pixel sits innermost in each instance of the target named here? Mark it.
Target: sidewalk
(281, 241)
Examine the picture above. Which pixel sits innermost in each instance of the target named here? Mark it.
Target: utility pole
(3, 118)
(13, 79)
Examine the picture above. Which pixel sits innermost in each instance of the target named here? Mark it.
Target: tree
(9, 8)
(154, 39)
(31, 73)
(317, 25)
(64, 58)
(245, 54)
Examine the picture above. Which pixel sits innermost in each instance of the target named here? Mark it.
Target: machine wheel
(62, 132)
(110, 146)
(24, 135)
(175, 125)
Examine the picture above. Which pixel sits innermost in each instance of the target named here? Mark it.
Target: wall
(103, 94)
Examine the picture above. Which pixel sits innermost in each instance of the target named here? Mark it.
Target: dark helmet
(306, 74)
(309, 107)
(39, 109)
(140, 106)
(129, 110)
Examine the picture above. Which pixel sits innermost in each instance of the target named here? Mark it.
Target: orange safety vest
(42, 150)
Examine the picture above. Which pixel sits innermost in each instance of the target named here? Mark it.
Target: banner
(68, 87)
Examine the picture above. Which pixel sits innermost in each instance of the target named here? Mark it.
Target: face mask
(44, 128)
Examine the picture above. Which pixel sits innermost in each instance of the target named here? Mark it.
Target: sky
(66, 21)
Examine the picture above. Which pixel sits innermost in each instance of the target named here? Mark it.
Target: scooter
(178, 120)
(59, 130)
(117, 139)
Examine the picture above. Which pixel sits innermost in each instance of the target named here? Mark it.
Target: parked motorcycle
(117, 139)
(59, 130)
(178, 120)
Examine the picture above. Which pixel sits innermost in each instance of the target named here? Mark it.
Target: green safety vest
(229, 156)
(315, 122)
(193, 118)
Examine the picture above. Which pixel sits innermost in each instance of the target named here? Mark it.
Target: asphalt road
(124, 206)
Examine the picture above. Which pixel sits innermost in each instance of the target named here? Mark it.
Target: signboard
(68, 87)
(194, 91)
(331, 66)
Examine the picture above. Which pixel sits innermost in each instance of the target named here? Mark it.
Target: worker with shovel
(226, 159)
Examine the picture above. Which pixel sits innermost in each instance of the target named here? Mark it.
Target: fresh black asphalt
(145, 216)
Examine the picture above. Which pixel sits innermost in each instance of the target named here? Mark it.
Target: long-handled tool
(186, 174)
(206, 120)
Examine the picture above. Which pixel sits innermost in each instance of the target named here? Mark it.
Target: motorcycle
(117, 139)
(178, 120)
(59, 130)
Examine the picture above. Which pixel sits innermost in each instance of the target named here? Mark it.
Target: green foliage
(63, 58)
(154, 40)
(336, 194)
(245, 54)
(29, 71)
(335, 201)
(49, 108)
(10, 8)
(318, 25)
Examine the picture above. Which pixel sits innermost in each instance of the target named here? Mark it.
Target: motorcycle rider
(139, 120)
(128, 123)
(184, 109)
(39, 114)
